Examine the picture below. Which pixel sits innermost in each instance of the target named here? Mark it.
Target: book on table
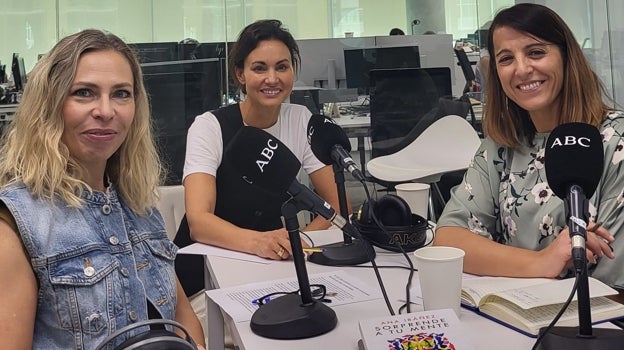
(528, 304)
(436, 329)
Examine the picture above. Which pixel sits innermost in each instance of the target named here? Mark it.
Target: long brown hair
(581, 96)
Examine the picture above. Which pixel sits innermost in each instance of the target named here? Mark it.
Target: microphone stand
(349, 251)
(294, 316)
(581, 337)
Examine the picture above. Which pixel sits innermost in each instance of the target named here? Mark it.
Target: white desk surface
(346, 121)
(352, 122)
(226, 272)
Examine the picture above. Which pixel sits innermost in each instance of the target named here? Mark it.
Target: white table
(224, 272)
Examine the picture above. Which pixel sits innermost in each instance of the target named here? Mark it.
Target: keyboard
(358, 110)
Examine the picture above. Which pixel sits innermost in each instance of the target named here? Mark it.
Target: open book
(528, 304)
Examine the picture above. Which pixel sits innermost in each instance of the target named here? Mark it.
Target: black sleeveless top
(237, 202)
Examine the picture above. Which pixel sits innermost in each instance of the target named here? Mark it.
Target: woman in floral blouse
(504, 214)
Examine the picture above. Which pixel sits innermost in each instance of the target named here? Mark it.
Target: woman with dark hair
(83, 250)
(504, 214)
(396, 31)
(263, 61)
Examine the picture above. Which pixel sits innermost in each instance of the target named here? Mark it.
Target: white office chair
(171, 207)
(446, 145)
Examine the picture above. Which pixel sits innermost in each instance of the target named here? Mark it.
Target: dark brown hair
(581, 95)
(251, 36)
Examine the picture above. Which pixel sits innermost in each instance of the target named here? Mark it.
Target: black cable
(310, 241)
(408, 285)
(558, 316)
(374, 264)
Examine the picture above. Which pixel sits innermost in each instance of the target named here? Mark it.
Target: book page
(531, 320)
(474, 289)
(552, 292)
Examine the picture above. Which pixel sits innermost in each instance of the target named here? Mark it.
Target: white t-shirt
(204, 145)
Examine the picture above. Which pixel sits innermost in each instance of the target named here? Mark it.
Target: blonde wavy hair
(32, 151)
(581, 96)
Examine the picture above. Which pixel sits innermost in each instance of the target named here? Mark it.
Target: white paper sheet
(343, 288)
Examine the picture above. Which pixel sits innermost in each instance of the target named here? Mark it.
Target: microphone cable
(376, 269)
(408, 285)
(559, 314)
(374, 264)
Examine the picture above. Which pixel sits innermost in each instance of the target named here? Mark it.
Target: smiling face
(531, 74)
(267, 74)
(99, 109)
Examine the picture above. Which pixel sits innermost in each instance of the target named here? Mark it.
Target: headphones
(154, 339)
(407, 229)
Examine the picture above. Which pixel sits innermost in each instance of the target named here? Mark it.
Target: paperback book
(432, 330)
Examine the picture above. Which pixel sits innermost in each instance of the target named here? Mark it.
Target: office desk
(7, 112)
(225, 272)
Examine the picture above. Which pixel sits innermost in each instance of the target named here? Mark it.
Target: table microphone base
(344, 254)
(568, 338)
(286, 318)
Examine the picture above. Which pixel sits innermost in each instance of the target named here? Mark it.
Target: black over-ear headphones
(407, 229)
(154, 339)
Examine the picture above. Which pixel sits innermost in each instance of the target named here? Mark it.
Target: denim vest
(96, 266)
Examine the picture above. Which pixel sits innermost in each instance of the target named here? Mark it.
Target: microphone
(573, 160)
(573, 164)
(264, 161)
(330, 144)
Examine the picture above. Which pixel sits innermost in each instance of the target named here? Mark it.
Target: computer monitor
(219, 50)
(156, 52)
(318, 54)
(401, 99)
(19, 72)
(178, 92)
(359, 62)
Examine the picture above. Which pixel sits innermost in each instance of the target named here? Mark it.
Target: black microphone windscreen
(323, 134)
(574, 156)
(262, 160)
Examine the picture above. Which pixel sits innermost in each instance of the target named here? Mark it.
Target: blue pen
(258, 302)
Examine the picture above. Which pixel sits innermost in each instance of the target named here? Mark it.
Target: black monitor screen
(359, 62)
(156, 52)
(400, 99)
(179, 91)
(211, 50)
(19, 72)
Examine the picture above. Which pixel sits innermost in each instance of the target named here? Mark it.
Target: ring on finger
(280, 252)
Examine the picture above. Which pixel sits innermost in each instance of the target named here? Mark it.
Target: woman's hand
(558, 255)
(598, 243)
(275, 244)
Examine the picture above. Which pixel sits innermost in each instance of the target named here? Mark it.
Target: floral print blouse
(505, 196)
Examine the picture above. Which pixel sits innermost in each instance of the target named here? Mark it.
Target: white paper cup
(416, 195)
(440, 274)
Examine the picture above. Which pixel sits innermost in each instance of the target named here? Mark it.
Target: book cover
(427, 330)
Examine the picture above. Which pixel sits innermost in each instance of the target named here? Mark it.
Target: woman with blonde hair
(83, 251)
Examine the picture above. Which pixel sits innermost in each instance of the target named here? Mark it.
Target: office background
(31, 27)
